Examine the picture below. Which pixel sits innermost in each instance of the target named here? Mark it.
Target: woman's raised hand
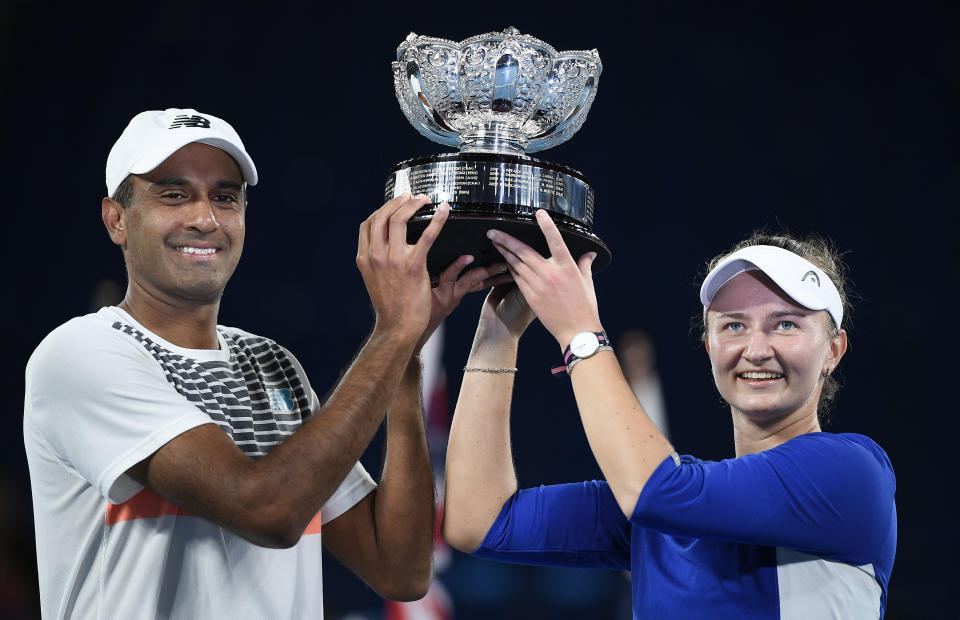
(558, 289)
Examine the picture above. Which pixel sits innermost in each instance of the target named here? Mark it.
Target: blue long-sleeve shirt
(804, 530)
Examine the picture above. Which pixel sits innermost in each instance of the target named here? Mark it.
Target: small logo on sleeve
(190, 120)
(812, 276)
(280, 399)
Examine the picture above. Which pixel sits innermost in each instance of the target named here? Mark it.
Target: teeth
(761, 375)
(201, 251)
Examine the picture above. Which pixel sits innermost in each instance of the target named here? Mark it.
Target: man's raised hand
(395, 272)
(450, 289)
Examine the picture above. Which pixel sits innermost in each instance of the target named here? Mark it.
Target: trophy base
(467, 234)
(496, 190)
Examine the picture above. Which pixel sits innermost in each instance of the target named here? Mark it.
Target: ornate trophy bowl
(496, 97)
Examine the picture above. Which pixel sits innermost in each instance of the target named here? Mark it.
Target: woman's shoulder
(854, 442)
(839, 452)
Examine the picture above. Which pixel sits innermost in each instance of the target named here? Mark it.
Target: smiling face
(768, 354)
(183, 233)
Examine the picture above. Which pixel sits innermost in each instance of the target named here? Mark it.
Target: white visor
(801, 280)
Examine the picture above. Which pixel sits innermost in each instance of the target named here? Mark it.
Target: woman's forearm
(479, 470)
(626, 444)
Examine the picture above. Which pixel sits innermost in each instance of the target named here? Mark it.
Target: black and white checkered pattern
(258, 397)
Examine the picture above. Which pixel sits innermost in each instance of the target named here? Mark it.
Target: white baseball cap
(801, 280)
(153, 136)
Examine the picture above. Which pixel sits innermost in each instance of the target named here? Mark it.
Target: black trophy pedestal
(496, 190)
(467, 234)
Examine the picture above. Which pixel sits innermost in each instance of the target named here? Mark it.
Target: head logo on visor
(813, 277)
(792, 273)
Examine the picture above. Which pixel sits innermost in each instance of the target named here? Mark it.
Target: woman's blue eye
(786, 325)
(735, 326)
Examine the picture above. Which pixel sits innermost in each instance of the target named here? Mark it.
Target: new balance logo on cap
(812, 275)
(185, 120)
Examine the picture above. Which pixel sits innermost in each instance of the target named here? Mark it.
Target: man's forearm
(404, 511)
(270, 501)
(320, 454)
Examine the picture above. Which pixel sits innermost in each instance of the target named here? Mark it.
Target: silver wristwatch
(582, 346)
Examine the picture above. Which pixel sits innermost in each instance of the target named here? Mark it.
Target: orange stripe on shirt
(144, 505)
(148, 505)
(314, 526)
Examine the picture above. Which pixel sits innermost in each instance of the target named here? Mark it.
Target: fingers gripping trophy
(496, 97)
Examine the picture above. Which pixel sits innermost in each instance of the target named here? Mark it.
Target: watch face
(584, 344)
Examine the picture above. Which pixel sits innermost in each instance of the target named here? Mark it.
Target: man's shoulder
(244, 337)
(80, 331)
(236, 332)
(80, 356)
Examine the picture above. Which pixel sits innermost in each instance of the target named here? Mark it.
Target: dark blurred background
(711, 120)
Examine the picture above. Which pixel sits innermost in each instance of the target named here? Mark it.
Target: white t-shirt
(102, 394)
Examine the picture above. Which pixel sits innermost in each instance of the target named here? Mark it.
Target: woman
(801, 524)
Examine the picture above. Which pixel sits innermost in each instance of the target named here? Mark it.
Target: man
(183, 469)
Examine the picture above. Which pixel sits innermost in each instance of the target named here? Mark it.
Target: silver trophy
(495, 97)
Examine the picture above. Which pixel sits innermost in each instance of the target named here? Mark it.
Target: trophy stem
(493, 137)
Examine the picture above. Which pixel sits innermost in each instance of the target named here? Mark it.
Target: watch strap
(576, 360)
(570, 359)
